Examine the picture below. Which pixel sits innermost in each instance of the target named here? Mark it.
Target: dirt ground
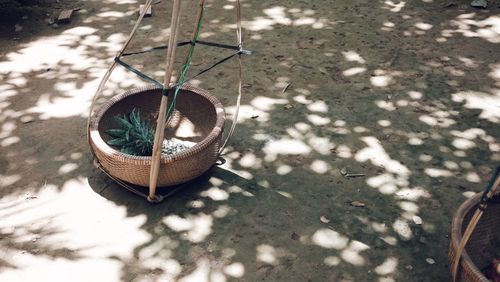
(406, 93)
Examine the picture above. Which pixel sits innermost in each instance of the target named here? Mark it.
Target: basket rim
(100, 144)
(456, 231)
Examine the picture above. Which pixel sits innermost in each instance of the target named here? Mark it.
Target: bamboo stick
(106, 76)
(160, 123)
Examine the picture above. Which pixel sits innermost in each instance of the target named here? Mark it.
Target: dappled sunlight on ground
(56, 231)
(486, 102)
(466, 25)
(362, 127)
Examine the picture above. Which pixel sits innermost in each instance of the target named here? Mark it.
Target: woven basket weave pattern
(484, 244)
(195, 108)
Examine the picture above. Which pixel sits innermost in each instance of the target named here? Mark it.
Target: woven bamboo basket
(199, 117)
(484, 243)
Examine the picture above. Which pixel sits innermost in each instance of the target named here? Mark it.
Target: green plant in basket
(134, 137)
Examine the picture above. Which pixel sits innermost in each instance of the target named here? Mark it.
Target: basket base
(162, 192)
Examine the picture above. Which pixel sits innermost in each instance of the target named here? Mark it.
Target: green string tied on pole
(186, 65)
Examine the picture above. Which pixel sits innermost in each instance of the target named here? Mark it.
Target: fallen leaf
(479, 4)
(343, 171)
(357, 204)
(25, 121)
(417, 220)
(324, 219)
(286, 87)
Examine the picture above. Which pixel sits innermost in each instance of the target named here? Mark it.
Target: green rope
(186, 65)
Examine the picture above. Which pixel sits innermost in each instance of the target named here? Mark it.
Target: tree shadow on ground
(404, 93)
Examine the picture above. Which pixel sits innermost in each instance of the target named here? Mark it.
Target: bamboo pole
(106, 76)
(160, 123)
